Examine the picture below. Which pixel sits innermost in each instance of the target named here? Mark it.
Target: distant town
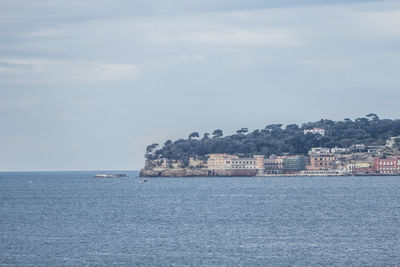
(355, 159)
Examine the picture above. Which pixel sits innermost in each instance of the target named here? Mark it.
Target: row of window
(389, 162)
(392, 168)
(322, 164)
(324, 159)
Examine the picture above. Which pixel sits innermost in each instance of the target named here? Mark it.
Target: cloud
(39, 70)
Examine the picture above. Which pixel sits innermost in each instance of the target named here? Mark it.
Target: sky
(87, 85)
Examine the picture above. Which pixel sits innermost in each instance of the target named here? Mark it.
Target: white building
(220, 161)
(228, 162)
(244, 163)
(315, 131)
(319, 150)
(392, 141)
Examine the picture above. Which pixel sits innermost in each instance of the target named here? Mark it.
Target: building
(260, 161)
(294, 164)
(358, 147)
(387, 166)
(392, 141)
(339, 150)
(232, 165)
(274, 165)
(220, 161)
(319, 131)
(375, 149)
(350, 168)
(244, 163)
(196, 163)
(321, 161)
(364, 168)
(319, 150)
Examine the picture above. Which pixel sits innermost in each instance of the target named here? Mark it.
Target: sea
(73, 219)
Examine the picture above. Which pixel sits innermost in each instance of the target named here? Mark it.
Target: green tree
(277, 140)
(194, 135)
(217, 133)
(372, 116)
(242, 131)
(206, 136)
(151, 151)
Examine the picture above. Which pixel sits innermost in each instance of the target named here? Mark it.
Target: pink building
(387, 166)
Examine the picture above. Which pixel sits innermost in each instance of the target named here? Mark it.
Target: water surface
(70, 218)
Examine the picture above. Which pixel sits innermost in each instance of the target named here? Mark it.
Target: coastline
(186, 173)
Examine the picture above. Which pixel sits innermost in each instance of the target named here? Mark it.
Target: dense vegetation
(274, 139)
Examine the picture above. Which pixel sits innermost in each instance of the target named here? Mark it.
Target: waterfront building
(315, 131)
(220, 161)
(164, 163)
(274, 165)
(364, 168)
(195, 162)
(387, 166)
(176, 164)
(230, 162)
(321, 161)
(244, 163)
(294, 164)
(350, 168)
(260, 161)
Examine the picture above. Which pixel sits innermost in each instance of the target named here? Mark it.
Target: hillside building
(319, 131)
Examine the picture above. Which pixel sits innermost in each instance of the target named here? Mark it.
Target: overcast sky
(86, 85)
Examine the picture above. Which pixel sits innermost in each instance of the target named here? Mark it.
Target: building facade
(392, 141)
(364, 168)
(294, 164)
(274, 165)
(322, 161)
(387, 166)
(244, 163)
(220, 161)
(315, 131)
(232, 165)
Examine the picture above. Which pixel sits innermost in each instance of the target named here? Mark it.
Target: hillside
(276, 139)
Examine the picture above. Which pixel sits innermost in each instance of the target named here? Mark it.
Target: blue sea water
(72, 219)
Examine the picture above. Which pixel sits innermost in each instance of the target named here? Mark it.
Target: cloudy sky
(86, 85)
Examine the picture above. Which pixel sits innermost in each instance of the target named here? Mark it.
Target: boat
(104, 175)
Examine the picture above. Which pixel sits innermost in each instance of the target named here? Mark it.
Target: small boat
(103, 175)
(143, 181)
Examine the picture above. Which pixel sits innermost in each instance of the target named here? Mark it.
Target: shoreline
(187, 173)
